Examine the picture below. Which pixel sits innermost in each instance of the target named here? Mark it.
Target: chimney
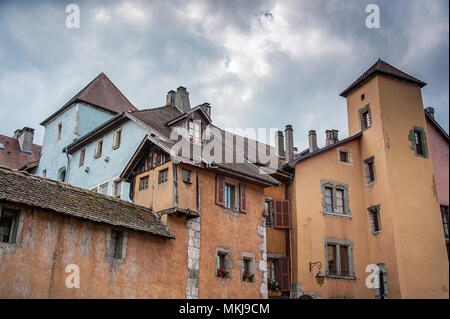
(25, 137)
(207, 108)
(182, 99)
(170, 99)
(279, 144)
(312, 138)
(289, 139)
(332, 137)
(430, 111)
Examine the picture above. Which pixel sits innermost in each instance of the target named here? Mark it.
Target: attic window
(195, 131)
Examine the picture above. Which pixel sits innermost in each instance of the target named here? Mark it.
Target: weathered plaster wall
(152, 267)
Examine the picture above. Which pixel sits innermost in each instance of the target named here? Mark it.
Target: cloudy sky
(261, 63)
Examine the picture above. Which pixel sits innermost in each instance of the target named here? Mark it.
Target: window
(268, 211)
(374, 219)
(418, 140)
(163, 176)
(343, 156)
(230, 196)
(335, 199)
(82, 154)
(248, 267)
(103, 189)
(186, 176)
(117, 138)
(272, 269)
(365, 118)
(339, 257)
(381, 287)
(143, 183)
(58, 131)
(62, 175)
(44, 173)
(98, 148)
(117, 244)
(195, 131)
(117, 189)
(329, 199)
(363, 97)
(2, 146)
(445, 217)
(369, 171)
(223, 262)
(8, 225)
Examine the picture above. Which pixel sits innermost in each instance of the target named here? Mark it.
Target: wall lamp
(320, 278)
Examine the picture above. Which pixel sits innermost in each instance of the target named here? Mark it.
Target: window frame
(105, 185)
(226, 264)
(140, 184)
(183, 175)
(15, 232)
(82, 156)
(370, 175)
(59, 127)
(116, 248)
(97, 152)
(383, 282)
(334, 186)
(374, 213)
(268, 213)
(116, 187)
(423, 138)
(362, 118)
(338, 243)
(60, 172)
(117, 141)
(163, 176)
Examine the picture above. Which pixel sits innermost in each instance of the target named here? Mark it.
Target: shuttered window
(282, 214)
(220, 184)
(285, 280)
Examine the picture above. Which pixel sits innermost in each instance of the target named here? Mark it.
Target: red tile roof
(102, 93)
(11, 155)
(381, 67)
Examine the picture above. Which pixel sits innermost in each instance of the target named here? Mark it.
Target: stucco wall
(439, 154)
(153, 267)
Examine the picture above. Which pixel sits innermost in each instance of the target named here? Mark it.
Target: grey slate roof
(35, 191)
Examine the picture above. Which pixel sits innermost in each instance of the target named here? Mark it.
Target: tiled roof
(102, 93)
(35, 191)
(381, 67)
(11, 155)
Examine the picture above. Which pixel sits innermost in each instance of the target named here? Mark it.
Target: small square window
(8, 225)
(343, 156)
(98, 148)
(163, 176)
(186, 176)
(143, 183)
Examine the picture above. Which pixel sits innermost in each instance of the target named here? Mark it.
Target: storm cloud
(259, 63)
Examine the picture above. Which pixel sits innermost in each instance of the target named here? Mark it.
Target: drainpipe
(67, 167)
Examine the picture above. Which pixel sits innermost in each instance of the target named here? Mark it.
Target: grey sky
(259, 63)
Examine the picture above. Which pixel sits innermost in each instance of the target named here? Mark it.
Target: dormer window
(195, 132)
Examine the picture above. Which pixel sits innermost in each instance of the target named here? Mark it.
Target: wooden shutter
(220, 190)
(243, 198)
(282, 214)
(285, 278)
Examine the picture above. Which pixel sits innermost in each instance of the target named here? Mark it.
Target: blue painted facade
(76, 121)
(101, 171)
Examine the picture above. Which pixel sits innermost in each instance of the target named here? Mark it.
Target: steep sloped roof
(101, 93)
(381, 67)
(11, 155)
(36, 191)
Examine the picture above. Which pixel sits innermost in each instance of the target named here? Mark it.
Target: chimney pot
(430, 111)
(289, 139)
(182, 99)
(331, 137)
(312, 138)
(279, 144)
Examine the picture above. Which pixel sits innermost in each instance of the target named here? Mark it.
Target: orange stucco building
(369, 199)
